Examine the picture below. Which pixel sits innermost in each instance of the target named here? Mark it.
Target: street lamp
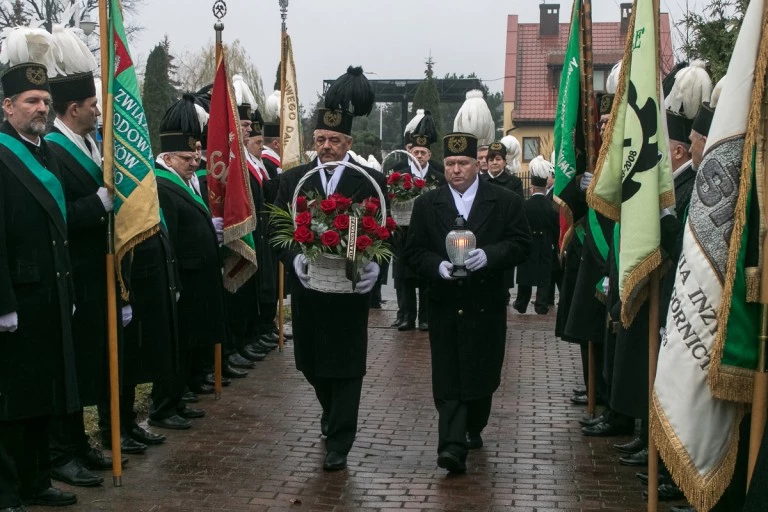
(87, 26)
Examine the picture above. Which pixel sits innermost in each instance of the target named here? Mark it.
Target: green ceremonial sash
(85, 161)
(580, 233)
(597, 234)
(174, 178)
(202, 173)
(46, 177)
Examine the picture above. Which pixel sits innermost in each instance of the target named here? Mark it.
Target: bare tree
(21, 12)
(196, 69)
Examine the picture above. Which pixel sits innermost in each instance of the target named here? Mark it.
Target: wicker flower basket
(401, 212)
(327, 273)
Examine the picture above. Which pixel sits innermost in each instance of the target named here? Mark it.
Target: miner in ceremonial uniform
(331, 330)
(545, 229)
(195, 238)
(88, 205)
(468, 316)
(498, 172)
(271, 152)
(37, 366)
(423, 135)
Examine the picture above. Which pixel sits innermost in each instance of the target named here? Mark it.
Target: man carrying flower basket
(311, 220)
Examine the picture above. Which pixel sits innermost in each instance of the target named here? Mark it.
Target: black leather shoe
(210, 380)
(74, 473)
(19, 508)
(663, 478)
(668, 492)
(334, 461)
(423, 326)
(579, 391)
(144, 436)
(190, 397)
(202, 388)
(127, 445)
(252, 355)
(407, 326)
(270, 337)
(634, 446)
(474, 441)
(580, 400)
(608, 429)
(398, 320)
(262, 346)
(238, 361)
(191, 413)
(636, 459)
(287, 336)
(588, 421)
(233, 373)
(519, 307)
(52, 497)
(174, 422)
(451, 462)
(682, 508)
(95, 460)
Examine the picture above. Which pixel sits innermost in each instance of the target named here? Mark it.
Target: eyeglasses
(333, 141)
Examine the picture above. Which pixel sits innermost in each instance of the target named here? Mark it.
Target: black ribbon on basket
(351, 268)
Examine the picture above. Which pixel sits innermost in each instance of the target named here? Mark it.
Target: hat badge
(36, 75)
(192, 143)
(421, 140)
(457, 144)
(332, 118)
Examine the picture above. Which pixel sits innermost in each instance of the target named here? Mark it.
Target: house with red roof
(534, 62)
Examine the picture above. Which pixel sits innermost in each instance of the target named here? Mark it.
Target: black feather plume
(426, 127)
(351, 93)
(182, 117)
(257, 121)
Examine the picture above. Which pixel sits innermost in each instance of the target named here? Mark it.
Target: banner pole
(217, 357)
(280, 266)
(114, 369)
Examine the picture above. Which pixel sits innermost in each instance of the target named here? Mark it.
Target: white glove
(368, 277)
(444, 269)
(477, 260)
(178, 294)
(300, 266)
(74, 308)
(127, 314)
(586, 179)
(218, 225)
(606, 286)
(9, 322)
(106, 198)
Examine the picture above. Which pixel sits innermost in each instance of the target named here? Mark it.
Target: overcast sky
(390, 38)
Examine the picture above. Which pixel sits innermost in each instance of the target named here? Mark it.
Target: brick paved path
(259, 449)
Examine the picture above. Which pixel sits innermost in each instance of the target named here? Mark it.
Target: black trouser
(267, 314)
(127, 414)
(602, 390)
(540, 305)
(456, 419)
(409, 304)
(67, 438)
(340, 400)
(167, 390)
(25, 460)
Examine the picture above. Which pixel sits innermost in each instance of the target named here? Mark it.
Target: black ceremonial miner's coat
(468, 317)
(201, 304)
(87, 225)
(330, 329)
(37, 365)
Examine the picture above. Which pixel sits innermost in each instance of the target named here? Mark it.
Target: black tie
(88, 145)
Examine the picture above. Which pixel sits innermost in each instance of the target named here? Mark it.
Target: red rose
(328, 205)
(342, 203)
(369, 224)
(391, 224)
(382, 233)
(393, 178)
(391, 195)
(364, 242)
(407, 185)
(303, 235)
(341, 222)
(407, 178)
(301, 204)
(371, 207)
(330, 239)
(304, 219)
(419, 183)
(375, 200)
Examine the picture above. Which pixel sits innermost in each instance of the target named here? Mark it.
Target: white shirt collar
(464, 201)
(29, 140)
(329, 185)
(677, 172)
(79, 141)
(159, 161)
(415, 170)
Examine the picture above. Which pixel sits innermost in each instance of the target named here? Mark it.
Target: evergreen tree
(159, 92)
(428, 98)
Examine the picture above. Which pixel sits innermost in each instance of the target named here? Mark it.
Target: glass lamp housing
(458, 243)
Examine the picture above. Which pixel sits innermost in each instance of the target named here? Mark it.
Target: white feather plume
(202, 116)
(612, 82)
(243, 93)
(24, 44)
(414, 123)
(715, 97)
(97, 82)
(73, 56)
(373, 163)
(692, 87)
(475, 117)
(540, 168)
(513, 152)
(272, 106)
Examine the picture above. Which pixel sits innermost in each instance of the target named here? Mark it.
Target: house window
(598, 80)
(530, 148)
